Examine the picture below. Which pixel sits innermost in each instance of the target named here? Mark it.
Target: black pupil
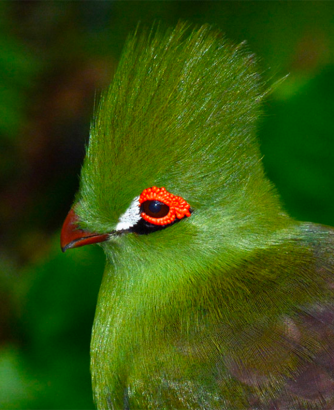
(154, 206)
(155, 209)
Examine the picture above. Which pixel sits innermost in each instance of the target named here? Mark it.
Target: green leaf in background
(297, 137)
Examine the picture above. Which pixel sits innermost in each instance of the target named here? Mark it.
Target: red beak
(72, 237)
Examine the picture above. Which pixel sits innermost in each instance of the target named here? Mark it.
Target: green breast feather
(212, 296)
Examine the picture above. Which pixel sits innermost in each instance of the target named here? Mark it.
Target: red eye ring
(178, 207)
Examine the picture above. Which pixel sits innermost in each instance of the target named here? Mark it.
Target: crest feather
(180, 113)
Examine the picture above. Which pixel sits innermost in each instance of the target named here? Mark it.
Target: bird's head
(173, 170)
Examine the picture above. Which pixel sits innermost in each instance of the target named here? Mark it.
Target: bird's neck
(145, 317)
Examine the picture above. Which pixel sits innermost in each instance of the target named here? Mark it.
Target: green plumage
(214, 311)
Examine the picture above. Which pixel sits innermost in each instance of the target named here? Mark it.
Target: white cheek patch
(130, 217)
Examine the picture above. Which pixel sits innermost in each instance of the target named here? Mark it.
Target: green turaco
(212, 296)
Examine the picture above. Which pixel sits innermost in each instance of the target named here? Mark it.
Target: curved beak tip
(73, 237)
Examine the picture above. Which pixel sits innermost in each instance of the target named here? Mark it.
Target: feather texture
(230, 308)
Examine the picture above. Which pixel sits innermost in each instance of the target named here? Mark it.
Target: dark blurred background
(55, 58)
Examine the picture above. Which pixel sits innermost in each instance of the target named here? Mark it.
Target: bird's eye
(155, 209)
(161, 208)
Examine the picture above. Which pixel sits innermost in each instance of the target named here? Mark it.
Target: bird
(212, 297)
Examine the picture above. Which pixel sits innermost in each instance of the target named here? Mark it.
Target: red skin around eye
(178, 207)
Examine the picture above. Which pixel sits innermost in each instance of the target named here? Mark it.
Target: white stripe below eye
(130, 217)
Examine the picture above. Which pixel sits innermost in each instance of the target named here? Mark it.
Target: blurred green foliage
(55, 58)
(18, 69)
(298, 141)
(53, 302)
